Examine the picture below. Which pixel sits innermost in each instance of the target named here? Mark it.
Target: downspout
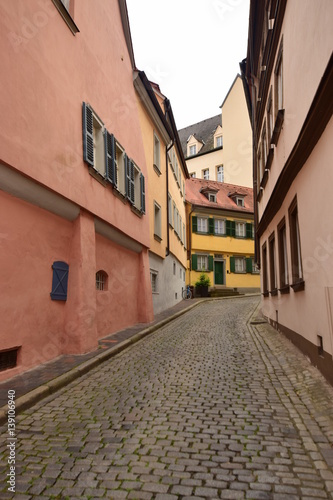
(167, 251)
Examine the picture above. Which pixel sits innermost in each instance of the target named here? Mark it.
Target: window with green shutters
(202, 262)
(242, 265)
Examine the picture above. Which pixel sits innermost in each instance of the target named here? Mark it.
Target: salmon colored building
(74, 260)
(289, 77)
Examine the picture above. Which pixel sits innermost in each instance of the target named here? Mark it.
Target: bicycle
(187, 293)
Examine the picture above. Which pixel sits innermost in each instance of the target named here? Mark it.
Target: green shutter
(110, 157)
(249, 264)
(194, 262)
(210, 263)
(249, 230)
(228, 227)
(143, 194)
(194, 224)
(211, 225)
(233, 228)
(232, 264)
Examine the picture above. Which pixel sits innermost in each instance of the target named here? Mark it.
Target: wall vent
(8, 358)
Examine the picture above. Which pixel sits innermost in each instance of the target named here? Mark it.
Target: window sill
(157, 238)
(277, 127)
(274, 292)
(264, 179)
(157, 170)
(119, 195)
(98, 176)
(136, 211)
(299, 286)
(259, 194)
(66, 16)
(285, 289)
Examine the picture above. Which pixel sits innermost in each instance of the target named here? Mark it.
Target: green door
(219, 273)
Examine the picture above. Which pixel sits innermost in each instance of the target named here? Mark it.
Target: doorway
(219, 272)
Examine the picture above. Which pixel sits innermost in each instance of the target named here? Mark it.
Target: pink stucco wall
(46, 75)
(31, 240)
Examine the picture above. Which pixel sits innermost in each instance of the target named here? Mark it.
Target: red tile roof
(224, 195)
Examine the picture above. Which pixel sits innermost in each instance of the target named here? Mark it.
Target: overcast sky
(192, 49)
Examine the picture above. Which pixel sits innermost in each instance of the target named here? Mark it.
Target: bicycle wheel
(184, 294)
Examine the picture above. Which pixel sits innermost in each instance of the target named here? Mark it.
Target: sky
(191, 49)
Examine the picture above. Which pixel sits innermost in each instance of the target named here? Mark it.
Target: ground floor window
(101, 280)
(154, 281)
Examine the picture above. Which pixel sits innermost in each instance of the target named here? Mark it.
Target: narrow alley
(213, 405)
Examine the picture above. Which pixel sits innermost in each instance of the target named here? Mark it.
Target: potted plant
(202, 285)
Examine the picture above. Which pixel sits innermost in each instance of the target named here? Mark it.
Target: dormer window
(212, 197)
(239, 201)
(210, 194)
(193, 150)
(219, 141)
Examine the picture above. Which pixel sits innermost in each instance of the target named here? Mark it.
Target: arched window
(101, 280)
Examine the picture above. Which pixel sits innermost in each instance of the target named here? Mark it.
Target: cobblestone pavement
(209, 406)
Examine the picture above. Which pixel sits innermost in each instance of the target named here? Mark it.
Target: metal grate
(8, 359)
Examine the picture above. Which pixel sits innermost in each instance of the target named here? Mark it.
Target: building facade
(289, 80)
(221, 235)
(166, 182)
(74, 258)
(220, 148)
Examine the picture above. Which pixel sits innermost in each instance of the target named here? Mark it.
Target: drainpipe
(167, 252)
(190, 239)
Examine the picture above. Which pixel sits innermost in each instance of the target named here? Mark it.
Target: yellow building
(165, 194)
(221, 235)
(220, 148)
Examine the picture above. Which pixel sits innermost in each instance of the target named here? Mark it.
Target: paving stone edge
(27, 400)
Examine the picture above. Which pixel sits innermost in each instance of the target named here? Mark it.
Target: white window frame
(239, 201)
(202, 224)
(205, 174)
(220, 173)
(240, 233)
(157, 220)
(219, 141)
(157, 152)
(202, 262)
(212, 197)
(219, 226)
(192, 150)
(154, 281)
(240, 265)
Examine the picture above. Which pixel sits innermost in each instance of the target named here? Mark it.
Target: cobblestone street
(210, 406)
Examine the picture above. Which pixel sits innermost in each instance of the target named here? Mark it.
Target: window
(174, 268)
(157, 222)
(279, 82)
(180, 273)
(202, 225)
(260, 167)
(239, 201)
(212, 197)
(193, 150)
(283, 260)
(154, 281)
(220, 173)
(93, 143)
(270, 122)
(65, 9)
(264, 147)
(202, 263)
(295, 243)
(264, 270)
(255, 268)
(66, 3)
(240, 265)
(174, 216)
(219, 226)
(219, 141)
(184, 235)
(101, 280)
(240, 229)
(120, 169)
(272, 265)
(193, 175)
(180, 228)
(205, 174)
(157, 153)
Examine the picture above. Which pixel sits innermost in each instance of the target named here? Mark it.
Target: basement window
(8, 358)
(101, 280)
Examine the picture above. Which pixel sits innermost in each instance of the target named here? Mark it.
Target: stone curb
(27, 400)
